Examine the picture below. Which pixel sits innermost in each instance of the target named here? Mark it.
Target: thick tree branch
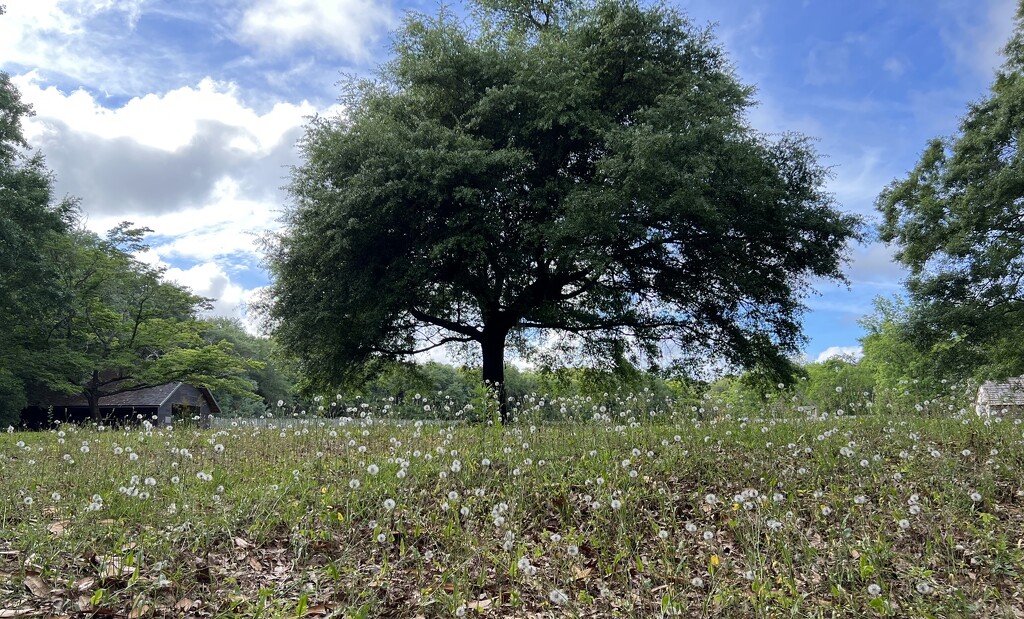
(416, 351)
(472, 333)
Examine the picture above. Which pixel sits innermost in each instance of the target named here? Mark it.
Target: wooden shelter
(164, 404)
(1001, 398)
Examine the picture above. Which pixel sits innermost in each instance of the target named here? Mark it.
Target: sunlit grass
(643, 509)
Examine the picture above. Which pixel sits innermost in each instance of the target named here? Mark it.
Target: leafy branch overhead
(590, 174)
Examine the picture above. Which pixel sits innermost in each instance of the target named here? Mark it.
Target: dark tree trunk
(492, 349)
(92, 394)
(94, 406)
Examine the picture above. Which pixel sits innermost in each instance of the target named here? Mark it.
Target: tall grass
(626, 505)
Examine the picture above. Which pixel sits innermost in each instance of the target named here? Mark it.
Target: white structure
(1005, 398)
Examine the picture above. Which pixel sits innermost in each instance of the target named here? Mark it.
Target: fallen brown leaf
(84, 584)
(255, 564)
(582, 574)
(140, 611)
(36, 585)
(479, 604)
(111, 568)
(241, 543)
(57, 528)
(184, 604)
(319, 609)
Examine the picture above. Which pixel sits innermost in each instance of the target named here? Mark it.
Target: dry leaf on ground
(36, 585)
(84, 584)
(57, 528)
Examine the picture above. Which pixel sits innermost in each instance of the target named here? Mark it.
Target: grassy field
(639, 510)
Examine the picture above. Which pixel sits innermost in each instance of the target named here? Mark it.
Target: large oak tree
(548, 167)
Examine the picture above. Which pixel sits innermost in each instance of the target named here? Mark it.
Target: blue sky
(183, 115)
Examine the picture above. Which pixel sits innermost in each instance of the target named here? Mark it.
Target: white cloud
(855, 352)
(857, 185)
(874, 265)
(168, 121)
(772, 117)
(349, 27)
(976, 35)
(209, 279)
(894, 66)
(828, 62)
(55, 35)
(195, 164)
(227, 225)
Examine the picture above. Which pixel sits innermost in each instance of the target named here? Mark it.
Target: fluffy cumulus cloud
(195, 164)
(209, 280)
(846, 352)
(349, 27)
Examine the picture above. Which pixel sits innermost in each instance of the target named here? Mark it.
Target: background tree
(119, 327)
(588, 171)
(270, 376)
(837, 384)
(80, 314)
(31, 223)
(958, 222)
(906, 370)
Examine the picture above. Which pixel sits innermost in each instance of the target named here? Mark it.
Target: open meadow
(626, 507)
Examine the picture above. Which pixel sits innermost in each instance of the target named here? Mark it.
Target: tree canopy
(121, 327)
(588, 171)
(270, 376)
(957, 220)
(31, 224)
